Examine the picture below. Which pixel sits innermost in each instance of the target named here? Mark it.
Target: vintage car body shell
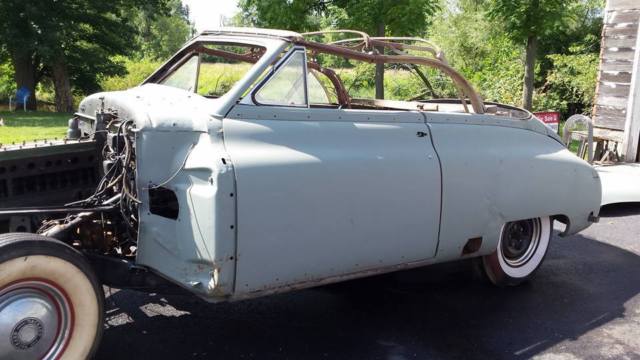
(238, 235)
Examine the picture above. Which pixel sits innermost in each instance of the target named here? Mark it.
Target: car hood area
(154, 107)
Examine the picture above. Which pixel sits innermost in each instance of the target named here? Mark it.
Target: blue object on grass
(22, 95)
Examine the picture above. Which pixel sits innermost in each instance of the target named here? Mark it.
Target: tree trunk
(62, 86)
(529, 72)
(26, 76)
(380, 66)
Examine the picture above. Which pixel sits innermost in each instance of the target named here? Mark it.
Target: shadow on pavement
(435, 312)
(623, 209)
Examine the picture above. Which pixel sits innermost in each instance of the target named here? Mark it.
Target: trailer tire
(51, 302)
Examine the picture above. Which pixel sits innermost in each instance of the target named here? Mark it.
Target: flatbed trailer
(44, 174)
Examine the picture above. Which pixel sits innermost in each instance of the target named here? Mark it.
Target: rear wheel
(51, 303)
(521, 249)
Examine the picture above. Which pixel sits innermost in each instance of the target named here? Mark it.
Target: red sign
(550, 118)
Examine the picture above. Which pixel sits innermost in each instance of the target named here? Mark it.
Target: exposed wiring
(118, 180)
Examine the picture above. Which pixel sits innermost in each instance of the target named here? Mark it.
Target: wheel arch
(563, 219)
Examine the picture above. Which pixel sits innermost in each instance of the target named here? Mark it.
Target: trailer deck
(45, 173)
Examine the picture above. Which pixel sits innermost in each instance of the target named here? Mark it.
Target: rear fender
(496, 174)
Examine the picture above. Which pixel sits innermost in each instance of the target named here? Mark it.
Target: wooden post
(529, 72)
(380, 66)
(632, 122)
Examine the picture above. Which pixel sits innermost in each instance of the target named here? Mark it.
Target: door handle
(421, 134)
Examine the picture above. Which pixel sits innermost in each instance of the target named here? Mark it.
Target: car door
(323, 193)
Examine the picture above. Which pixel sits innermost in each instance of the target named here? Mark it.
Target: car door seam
(433, 145)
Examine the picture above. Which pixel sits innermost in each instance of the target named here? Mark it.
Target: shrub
(215, 79)
(570, 83)
(137, 71)
(7, 83)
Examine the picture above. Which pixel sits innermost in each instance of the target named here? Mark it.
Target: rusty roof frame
(369, 49)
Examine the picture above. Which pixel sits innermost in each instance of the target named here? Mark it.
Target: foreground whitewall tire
(521, 250)
(51, 302)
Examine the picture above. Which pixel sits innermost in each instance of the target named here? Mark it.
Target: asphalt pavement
(583, 304)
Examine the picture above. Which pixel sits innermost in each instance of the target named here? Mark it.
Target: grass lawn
(32, 125)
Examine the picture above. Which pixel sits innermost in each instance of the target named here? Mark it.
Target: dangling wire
(119, 178)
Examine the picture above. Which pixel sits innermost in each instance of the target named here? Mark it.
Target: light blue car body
(275, 198)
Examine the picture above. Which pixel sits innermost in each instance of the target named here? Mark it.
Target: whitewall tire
(51, 302)
(521, 249)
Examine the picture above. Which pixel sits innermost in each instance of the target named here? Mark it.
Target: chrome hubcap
(35, 321)
(520, 240)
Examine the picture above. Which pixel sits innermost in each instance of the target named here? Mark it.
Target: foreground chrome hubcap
(35, 321)
(520, 240)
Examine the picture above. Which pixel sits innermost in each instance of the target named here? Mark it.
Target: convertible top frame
(371, 49)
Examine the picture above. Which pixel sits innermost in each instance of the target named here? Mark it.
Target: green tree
(386, 17)
(19, 38)
(480, 50)
(570, 83)
(159, 37)
(377, 17)
(7, 84)
(57, 38)
(295, 15)
(527, 21)
(579, 37)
